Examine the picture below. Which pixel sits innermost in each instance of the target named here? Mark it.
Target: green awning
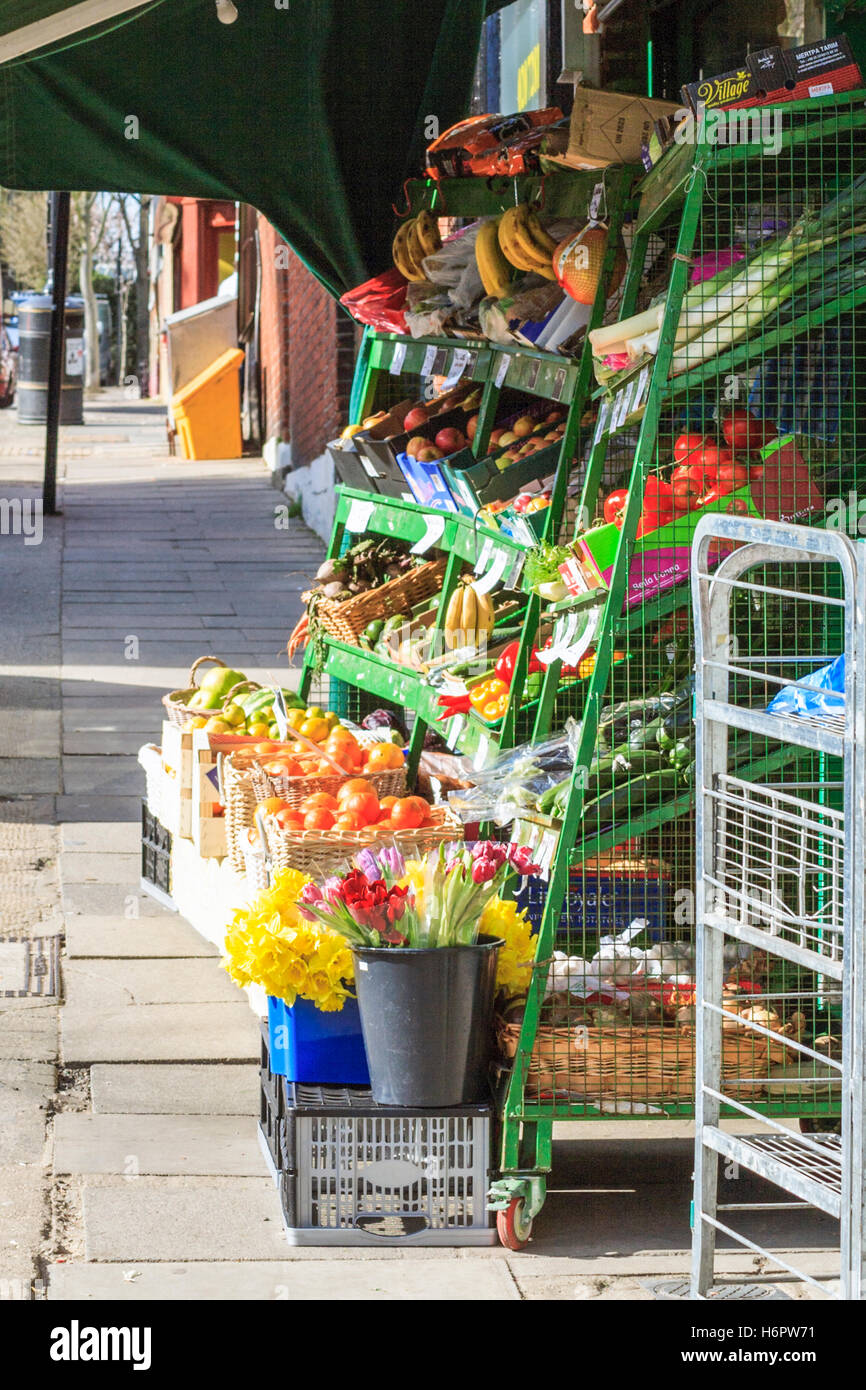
(314, 113)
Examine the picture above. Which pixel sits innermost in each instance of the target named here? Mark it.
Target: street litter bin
(207, 411)
(34, 346)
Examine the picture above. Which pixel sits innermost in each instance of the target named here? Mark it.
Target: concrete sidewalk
(129, 1165)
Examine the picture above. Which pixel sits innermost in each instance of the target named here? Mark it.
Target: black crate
(358, 1173)
(155, 855)
(271, 1101)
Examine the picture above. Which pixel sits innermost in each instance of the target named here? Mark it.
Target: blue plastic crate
(320, 1048)
(608, 903)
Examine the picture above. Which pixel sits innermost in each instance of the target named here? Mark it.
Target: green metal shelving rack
(792, 367)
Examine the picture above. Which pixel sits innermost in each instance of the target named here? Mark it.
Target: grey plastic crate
(271, 1100)
(358, 1173)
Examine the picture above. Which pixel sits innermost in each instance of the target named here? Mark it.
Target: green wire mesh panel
(748, 381)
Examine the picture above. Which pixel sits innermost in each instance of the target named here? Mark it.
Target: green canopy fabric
(314, 113)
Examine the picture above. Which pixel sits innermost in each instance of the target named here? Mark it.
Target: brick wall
(308, 347)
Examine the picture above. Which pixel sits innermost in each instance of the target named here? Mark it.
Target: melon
(577, 263)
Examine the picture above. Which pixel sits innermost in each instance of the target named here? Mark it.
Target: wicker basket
(346, 621)
(323, 852)
(294, 790)
(239, 799)
(176, 709)
(651, 1063)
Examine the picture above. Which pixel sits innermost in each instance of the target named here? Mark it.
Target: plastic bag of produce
(517, 780)
(379, 302)
(826, 694)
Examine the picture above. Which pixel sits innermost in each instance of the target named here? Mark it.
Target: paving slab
(110, 899)
(83, 807)
(114, 775)
(163, 1145)
(167, 1089)
(159, 1033)
(135, 1222)
(81, 866)
(102, 837)
(108, 985)
(163, 937)
(25, 1088)
(293, 1280)
(39, 774)
(109, 742)
(31, 733)
(28, 1030)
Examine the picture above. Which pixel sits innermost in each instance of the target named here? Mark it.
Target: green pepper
(680, 755)
(665, 740)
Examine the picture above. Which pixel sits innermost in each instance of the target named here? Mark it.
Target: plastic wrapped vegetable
(517, 779)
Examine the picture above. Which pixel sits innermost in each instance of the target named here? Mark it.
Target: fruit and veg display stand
(506, 594)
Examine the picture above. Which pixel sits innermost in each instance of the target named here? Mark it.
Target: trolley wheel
(820, 1124)
(512, 1226)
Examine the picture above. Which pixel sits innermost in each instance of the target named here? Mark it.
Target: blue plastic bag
(826, 695)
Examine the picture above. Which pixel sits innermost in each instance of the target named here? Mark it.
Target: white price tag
(642, 384)
(368, 467)
(74, 356)
(484, 558)
(360, 512)
(595, 201)
(622, 405)
(481, 752)
(517, 566)
(280, 713)
(456, 725)
(564, 631)
(459, 363)
(429, 359)
(501, 369)
(546, 851)
(434, 530)
(397, 359)
(601, 423)
(493, 575)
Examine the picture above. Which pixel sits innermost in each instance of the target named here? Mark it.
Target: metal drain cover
(719, 1293)
(29, 968)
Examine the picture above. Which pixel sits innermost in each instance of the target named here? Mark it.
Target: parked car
(8, 370)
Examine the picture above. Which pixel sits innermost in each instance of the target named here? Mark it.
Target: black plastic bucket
(427, 1020)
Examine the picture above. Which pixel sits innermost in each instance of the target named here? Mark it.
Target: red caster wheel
(513, 1226)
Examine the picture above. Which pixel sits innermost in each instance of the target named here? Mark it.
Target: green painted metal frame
(674, 183)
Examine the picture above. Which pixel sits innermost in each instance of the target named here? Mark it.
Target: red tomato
(738, 506)
(614, 504)
(686, 445)
(685, 493)
(711, 495)
(658, 494)
(745, 432)
(730, 476)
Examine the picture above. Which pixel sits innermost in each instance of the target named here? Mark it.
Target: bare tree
(87, 233)
(23, 224)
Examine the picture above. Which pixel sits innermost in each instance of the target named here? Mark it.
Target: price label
(74, 356)
(434, 530)
(481, 752)
(456, 725)
(429, 359)
(518, 562)
(360, 512)
(439, 361)
(622, 406)
(545, 852)
(501, 369)
(564, 632)
(280, 714)
(368, 466)
(601, 422)
(642, 384)
(493, 575)
(484, 558)
(559, 381)
(459, 363)
(397, 359)
(532, 378)
(596, 201)
(471, 362)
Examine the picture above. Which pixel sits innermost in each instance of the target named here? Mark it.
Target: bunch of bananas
(524, 242)
(416, 238)
(469, 618)
(494, 269)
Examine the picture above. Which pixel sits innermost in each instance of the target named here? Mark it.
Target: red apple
(429, 454)
(414, 418)
(495, 437)
(471, 427)
(450, 440)
(415, 443)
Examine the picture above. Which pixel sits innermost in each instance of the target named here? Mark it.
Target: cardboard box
(773, 75)
(610, 128)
